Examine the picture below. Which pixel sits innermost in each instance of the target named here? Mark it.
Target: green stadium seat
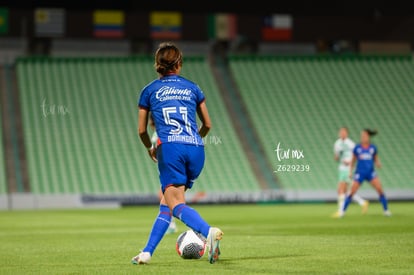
(3, 182)
(80, 118)
(302, 101)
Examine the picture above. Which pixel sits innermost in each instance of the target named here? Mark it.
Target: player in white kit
(343, 148)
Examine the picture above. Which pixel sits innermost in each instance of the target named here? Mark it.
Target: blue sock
(347, 202)
(191, 218)
(159, 228)
(384, 202)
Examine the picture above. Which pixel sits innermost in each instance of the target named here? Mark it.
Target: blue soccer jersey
(365, 157)
(365, 169)
(173, 102)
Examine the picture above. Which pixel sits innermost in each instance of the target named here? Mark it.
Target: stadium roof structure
(295, 7)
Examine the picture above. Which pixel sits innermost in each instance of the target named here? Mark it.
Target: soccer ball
(190, 245)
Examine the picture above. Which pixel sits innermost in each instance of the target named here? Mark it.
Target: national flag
(4, 20)
(277, 27)
(222, 26)
(166, 25)
(49, 22)
(108, 23)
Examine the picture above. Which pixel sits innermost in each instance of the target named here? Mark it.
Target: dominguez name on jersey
(180, 138)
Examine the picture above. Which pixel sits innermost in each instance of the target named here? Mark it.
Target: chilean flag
(277, 27)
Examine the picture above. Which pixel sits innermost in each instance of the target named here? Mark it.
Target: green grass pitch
(258, 239)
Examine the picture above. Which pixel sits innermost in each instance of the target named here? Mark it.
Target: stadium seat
(301, 101)
(80, 119)
(3, 186)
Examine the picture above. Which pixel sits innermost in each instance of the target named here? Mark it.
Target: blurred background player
(174, 103)
(343, 151)
(172, 228)
(365, 154)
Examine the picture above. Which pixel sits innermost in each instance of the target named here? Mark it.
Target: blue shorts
(360, 177)
(179, 164)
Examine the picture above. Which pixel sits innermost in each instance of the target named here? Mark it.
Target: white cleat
(213, 243)
(365, 207)
(338, 214)
(141, 258)
(172, 228)
(387, 213)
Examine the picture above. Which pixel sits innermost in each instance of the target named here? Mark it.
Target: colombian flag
(108, 23)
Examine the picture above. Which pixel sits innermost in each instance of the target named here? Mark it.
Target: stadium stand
(80, 116)
(300, 102)
(3, 186)
(3, 177)
(189, 48)
(11, 48)
(269, 48)
(89, 47)
(227, 167)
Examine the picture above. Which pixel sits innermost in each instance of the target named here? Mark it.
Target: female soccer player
(174, 103)
(172, 228)
(343, 148)
(366, 156)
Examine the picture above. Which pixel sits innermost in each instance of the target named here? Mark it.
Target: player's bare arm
(143, 133)
(336, 157)
(351, 165)
(377, 161)
(204, 116)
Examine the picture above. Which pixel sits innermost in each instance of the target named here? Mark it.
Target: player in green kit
(343, 148)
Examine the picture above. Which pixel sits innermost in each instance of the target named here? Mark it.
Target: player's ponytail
(371, 132)
(167, 58)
